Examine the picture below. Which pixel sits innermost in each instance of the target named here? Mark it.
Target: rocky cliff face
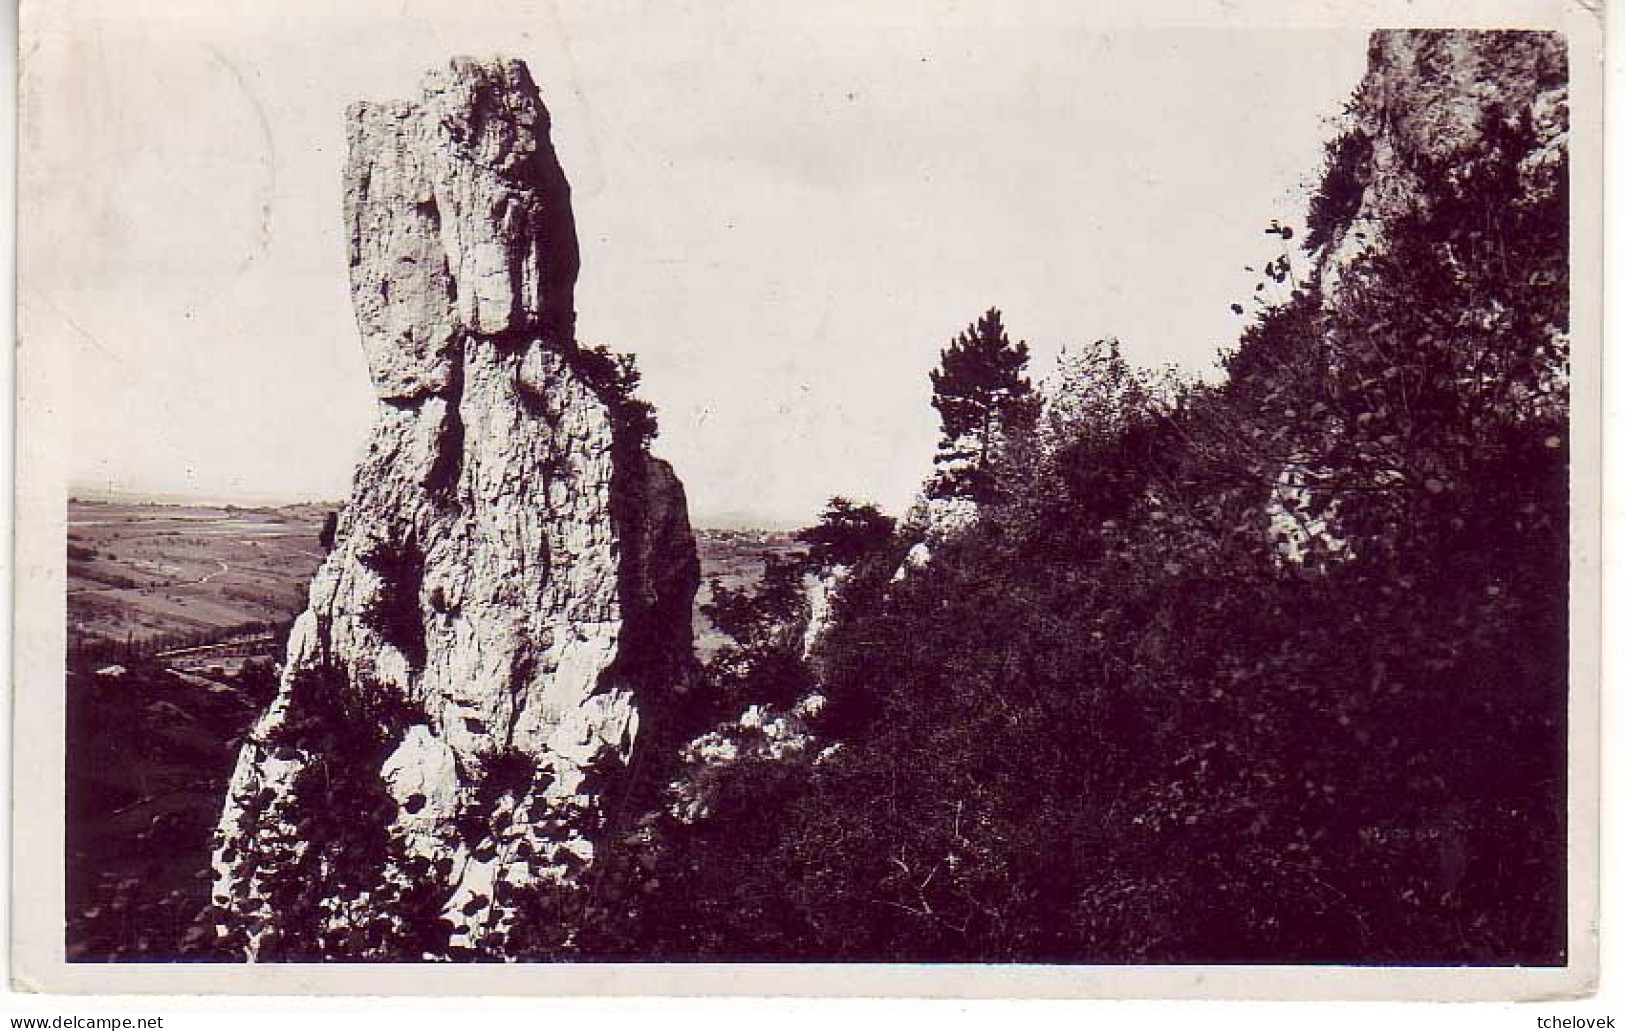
(1433, 103)
(1433, 98)
(508, 596)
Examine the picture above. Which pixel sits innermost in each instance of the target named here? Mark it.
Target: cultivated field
(158, 576)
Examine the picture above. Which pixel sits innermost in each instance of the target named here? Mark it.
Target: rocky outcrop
(1432, 102)
(506, 605)
(931, 521)
(822, 590)
(1430, 97)
(762, 733)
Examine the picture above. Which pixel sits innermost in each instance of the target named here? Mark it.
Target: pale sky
(785, 211)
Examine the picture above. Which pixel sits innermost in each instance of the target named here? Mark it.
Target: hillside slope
(1268, 671)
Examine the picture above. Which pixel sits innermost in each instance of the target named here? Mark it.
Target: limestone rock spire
(507, 603)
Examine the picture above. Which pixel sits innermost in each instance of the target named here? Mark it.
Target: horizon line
(725, 520)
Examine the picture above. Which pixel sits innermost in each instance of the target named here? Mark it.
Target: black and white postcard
(917, 498)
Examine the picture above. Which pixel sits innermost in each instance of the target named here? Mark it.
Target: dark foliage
(1273, 671)
(845, 534)
(395, 610)
(330, 529)
(615, 377)
(764, 663)
(327, 879)
(1342, 184)
(978, 387)
(147, 758)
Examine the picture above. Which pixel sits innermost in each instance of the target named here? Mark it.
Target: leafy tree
(756, 617)
(979, 389)
(765, 661)
(1093, 392)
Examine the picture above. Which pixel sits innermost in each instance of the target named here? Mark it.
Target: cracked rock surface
(507, 601)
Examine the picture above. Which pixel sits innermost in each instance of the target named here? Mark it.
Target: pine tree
(978, 389)
(846, 532)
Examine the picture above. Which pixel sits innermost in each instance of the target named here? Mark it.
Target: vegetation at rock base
(765, 661)
(1342, 185)
(327, 877)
